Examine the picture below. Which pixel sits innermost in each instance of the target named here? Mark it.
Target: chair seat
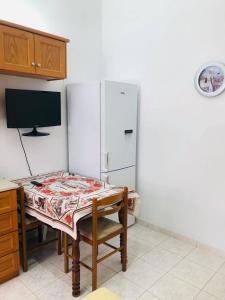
(102, 294)
(105, 227)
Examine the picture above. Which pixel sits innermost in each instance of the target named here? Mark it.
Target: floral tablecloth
(63, 198)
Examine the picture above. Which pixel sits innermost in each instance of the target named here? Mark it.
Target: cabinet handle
(33, 64)
(38, 65)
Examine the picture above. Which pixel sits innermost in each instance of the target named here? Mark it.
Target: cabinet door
(16, 50)
(50, 57)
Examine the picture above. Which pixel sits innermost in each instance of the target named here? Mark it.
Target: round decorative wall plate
(210, 79)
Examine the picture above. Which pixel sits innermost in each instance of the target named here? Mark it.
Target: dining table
(61, 199)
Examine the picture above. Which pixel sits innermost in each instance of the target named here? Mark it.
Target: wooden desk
(9, 241)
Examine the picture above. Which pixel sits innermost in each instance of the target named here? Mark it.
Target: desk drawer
(8, 223)
(8, 201)
(9, 243)
(9, 266)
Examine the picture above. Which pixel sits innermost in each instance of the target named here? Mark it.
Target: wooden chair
(98, 230)
(28, 223)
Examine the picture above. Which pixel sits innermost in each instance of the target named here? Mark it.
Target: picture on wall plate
(210, 79)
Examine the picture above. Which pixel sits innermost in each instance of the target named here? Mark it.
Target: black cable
(24, 152)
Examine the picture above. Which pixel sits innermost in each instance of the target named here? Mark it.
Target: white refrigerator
(102, 131)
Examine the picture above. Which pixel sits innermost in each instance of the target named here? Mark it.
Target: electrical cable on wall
(24, 152)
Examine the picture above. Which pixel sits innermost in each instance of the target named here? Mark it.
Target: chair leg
(123, 243)
(66, 258)
(40, 233)
(24, 251)
(76, 267)
(59, 242)
(94, 266)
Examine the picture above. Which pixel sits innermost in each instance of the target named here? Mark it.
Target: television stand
(34, 132)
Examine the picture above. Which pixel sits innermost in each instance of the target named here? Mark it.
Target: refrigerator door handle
(127, 131)
(106, 160)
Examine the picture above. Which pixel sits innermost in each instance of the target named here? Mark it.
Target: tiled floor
(160, 267)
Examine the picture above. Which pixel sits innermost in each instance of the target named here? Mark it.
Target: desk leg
(76, 267)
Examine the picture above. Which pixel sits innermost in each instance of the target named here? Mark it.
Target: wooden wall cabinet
(32, 53)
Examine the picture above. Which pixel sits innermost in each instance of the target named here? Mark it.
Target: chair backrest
(108, 206)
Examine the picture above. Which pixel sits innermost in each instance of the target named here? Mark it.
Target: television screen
(27, 109)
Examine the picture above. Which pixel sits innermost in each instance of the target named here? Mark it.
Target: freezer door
(118, 125)
(124, 177)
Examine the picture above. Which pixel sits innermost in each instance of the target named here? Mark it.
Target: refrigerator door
(123, 177)
(83, 106)
(118, 125)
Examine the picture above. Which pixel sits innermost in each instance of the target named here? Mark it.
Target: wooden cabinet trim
(17, 50)
(8, 201)
(8, 223)
(9, 243)
(35, 31)
(9, 266)
(22, 52)
(47, 53)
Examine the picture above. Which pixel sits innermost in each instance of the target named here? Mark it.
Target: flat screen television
(32, 109)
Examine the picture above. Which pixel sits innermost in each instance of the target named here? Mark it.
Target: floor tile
(114, 262)
(124, 288)
(178, 247)
(152, 237)
(136, 229)
(161, 260)
(58, 290)
(206, 258)
(216, 286)
(15, 289)
(141, 274)
(116, 241)
(192, 273)
(147, 296)
(37, 277)
(58, 261)
(171, 288)
(138, 248)
(104, 274)
(205, 296)
(222, 269)
(54, 269)
(150, 256)
(44, 253)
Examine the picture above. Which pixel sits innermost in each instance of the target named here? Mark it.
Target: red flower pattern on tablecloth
(69, 219)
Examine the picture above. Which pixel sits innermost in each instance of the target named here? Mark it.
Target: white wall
(78, 20)
(159, 45)
(181, 151)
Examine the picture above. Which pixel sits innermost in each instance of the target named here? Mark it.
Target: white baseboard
(181, 237)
